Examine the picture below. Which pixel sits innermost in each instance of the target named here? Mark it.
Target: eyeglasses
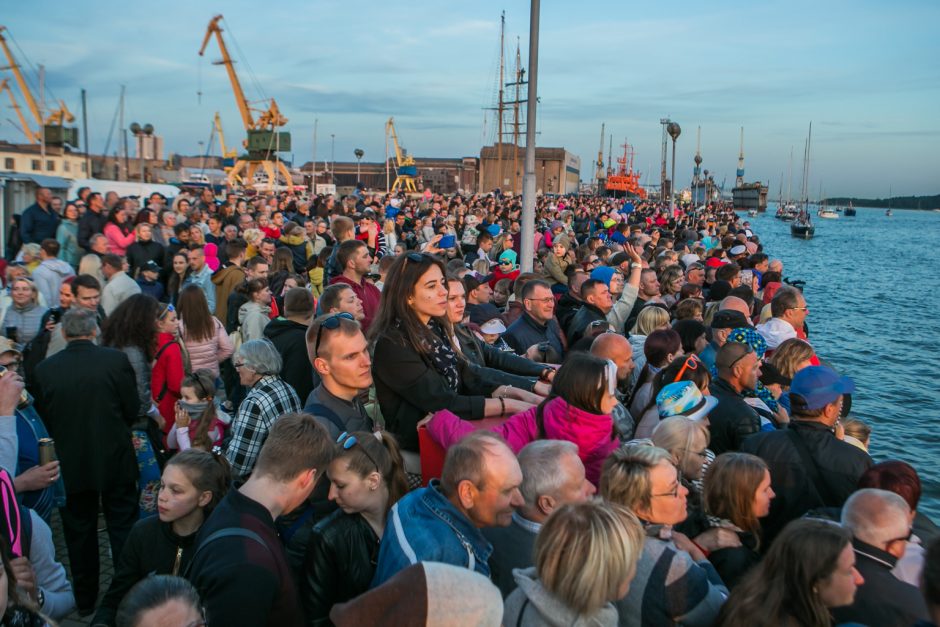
(544, 301)
(691, 363)
(330, 323)
(906, 538)
(347, 441)
(800, 308)
(674, 493)
(166, 311)
(742, 356)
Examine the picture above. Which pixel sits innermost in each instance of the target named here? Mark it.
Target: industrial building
(557, 171)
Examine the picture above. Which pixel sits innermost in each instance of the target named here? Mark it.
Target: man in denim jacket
(479, 487)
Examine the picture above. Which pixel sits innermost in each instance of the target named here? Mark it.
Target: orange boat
(625, 182)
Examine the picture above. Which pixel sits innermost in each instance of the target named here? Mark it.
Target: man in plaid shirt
(258, 365)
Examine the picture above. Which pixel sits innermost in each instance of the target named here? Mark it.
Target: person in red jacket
(168, 367)
(354, 259)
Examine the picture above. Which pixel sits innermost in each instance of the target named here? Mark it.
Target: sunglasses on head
(347, 441)
(166, 311)
(691, 363)
(417, 257)
(330, 323)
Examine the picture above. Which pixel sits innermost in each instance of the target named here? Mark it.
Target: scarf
(442, 355)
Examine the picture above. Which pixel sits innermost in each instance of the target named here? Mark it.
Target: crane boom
(30, 136)
(600, 157)
(226, 154)
(20, 80)
(240, 100)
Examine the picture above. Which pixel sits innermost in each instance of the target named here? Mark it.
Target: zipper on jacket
(179, 558)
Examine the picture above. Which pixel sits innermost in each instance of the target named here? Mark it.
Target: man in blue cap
(810, 467)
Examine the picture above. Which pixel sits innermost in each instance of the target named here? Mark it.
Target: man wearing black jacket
(597, 303)
(733, 419)
(87, 395)
(287, 335)
(240, 567)
(92, 221)
(809, 468)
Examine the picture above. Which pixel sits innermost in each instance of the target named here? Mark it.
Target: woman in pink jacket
(119, 230)
(578, 410)
(203, 335)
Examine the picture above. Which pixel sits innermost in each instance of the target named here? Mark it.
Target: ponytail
(208, 472)
(380, 452)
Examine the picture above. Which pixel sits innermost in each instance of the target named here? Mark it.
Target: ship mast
(697, 170)
(500, 106)
(739, 180)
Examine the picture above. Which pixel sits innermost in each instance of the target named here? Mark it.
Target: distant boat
(850, 211)
(752, 213)
(803, 228)
(787, 213)
(889, 213)
(826, 212)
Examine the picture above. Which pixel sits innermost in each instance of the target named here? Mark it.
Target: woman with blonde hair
(24, 315)
(792, 356)
(651, 318)
(253, 238)
(91, 264)
(607, 539)
(670, 280)
(675, 582)
(738, 492)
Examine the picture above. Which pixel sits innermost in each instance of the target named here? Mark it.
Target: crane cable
(253, 79)
(31, 77)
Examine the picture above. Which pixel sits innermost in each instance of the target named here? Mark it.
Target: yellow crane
(263, 141)
(24, 126)
(53, 126)
(405, 170)
(228, 156)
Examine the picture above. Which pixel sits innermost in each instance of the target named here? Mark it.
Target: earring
(372, 488)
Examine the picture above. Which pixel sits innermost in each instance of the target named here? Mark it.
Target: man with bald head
(733, 303)
(881, 527)
(733, 419)
(616, 348)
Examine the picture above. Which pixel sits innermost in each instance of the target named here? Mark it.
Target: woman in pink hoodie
(578, 410)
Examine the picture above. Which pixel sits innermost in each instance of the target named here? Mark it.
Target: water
(874, 314)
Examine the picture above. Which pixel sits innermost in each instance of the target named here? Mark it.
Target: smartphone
(747, 277)
(448, 241)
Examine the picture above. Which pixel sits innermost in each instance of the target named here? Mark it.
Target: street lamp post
(674, 131)
(332, 159)
(140, 132)
(359, 152)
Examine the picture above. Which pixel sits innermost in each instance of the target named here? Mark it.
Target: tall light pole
(332, 158)
(359, 152)
(674, 131)
(140, 132)
(528, 179)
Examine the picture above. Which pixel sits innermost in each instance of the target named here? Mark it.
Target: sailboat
(888, 211)
(850, 211)
(802, 226)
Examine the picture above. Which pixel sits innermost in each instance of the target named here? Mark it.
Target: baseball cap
(7, 346)
(151, 266)
(729, 319)
(493, 325)
(740, 249)
(684, 399)
(814, 387)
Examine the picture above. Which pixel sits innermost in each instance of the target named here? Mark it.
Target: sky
(865, 73)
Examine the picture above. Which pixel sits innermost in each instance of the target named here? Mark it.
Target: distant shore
(925, 203)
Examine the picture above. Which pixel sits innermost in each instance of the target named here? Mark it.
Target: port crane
(52, 128)
(228, 156)
(24, 126)
(405, 170)
(264, 141)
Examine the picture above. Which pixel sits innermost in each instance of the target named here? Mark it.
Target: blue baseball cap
(684, 399)
(814, 387)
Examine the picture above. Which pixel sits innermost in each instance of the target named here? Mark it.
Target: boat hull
(802, 231)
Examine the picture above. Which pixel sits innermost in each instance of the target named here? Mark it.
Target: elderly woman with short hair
(24, 315)
(258, 365)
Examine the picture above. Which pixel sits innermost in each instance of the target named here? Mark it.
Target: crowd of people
(362, 411)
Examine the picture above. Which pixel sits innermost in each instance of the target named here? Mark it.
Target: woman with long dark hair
(132, 329)
(417, 368)
(660, 348)
(809, 569)
(118, 230)
(367, 477)
(203, 336)
(179, 272)
(577, 410)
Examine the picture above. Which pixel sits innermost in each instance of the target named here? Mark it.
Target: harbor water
(874, 314)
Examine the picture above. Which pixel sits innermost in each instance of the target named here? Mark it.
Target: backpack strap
(812, 469)
(319, 409)
(227, 532)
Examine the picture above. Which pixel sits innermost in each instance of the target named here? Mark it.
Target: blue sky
(867, 73)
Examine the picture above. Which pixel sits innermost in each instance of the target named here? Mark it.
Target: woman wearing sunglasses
(367, 477)
(578, 410)
(689, 368)
(416, 367)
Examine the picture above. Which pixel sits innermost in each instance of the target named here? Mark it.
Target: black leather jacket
(501, 367)
(732, 420)
(340, 563)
